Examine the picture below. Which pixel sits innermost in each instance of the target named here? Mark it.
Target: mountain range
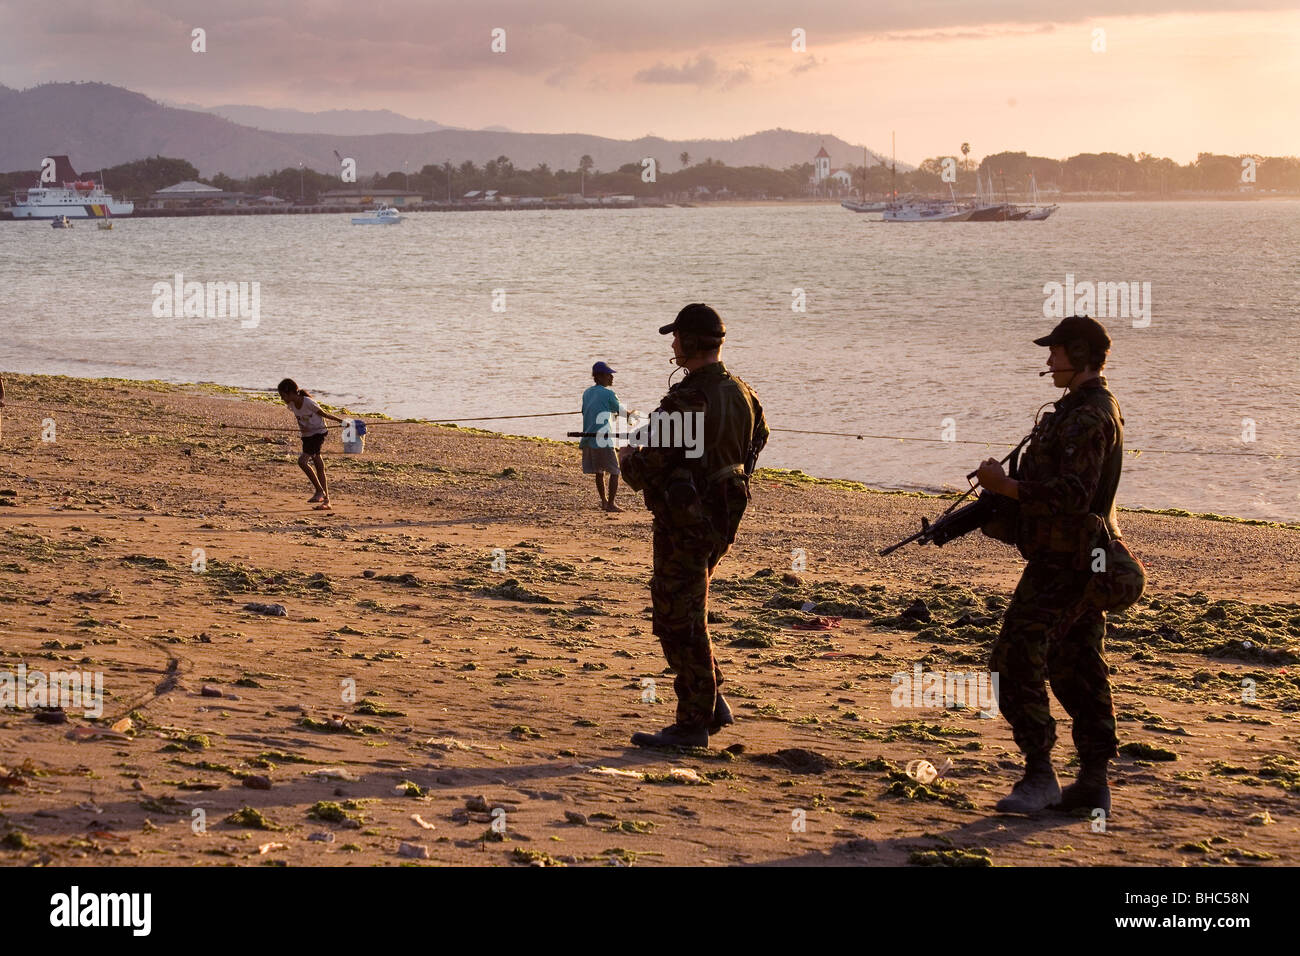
(334, 122)
(101, 125)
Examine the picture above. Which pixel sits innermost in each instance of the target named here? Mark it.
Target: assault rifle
(990, 511)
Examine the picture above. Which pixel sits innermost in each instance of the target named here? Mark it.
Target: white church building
(825, 180)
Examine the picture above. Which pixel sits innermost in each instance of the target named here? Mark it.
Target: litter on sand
(271, 610)
(676, 774)
(614, 772)
(922, 771)
(686, 775)
(820, 624)
(331, 773)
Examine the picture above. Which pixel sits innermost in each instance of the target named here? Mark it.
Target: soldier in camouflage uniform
(697, 502)
(1077, 569)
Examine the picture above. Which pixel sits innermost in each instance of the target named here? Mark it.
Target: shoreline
(493, 627)
(789, 475)
(317, 210)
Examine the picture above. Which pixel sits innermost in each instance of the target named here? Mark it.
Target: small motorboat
(382, 216)
(61, 222)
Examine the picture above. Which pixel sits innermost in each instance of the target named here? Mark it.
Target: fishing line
(860, 436)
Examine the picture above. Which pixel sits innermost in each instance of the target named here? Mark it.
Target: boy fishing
(311, 423)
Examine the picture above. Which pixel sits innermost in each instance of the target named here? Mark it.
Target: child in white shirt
(311, 423)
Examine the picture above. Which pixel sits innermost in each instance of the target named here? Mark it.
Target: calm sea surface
(906, 325)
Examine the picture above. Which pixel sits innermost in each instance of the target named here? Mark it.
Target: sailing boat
(1035, 210)
(922, 210)
(107, 221)
(987, 208)
(864, 205)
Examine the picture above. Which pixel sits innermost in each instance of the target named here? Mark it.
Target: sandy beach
(466, 650)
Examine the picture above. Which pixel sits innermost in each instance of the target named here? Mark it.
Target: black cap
(1078, 327)
(696, 319)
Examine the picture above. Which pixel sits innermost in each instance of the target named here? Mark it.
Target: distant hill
(330, 122)
(100, 125)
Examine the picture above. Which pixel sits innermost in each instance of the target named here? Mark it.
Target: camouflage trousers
(684, 559)
(1050, 633)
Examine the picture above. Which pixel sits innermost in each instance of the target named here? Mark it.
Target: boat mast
(893, 168)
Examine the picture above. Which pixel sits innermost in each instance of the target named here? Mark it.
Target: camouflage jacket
(733, 429)
(1069, 475)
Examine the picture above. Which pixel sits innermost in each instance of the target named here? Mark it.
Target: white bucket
(354, 436)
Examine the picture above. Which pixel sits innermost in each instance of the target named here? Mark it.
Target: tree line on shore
(1081, 174)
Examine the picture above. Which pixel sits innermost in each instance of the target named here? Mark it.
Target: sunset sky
(1176, 77)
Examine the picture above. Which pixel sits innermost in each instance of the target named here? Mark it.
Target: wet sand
(482, 687)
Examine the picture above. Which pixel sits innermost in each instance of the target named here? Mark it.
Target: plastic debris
(922, 771)
(332, 773)
(613, 772)
(271, 610)
(422, 823)
(687, 775)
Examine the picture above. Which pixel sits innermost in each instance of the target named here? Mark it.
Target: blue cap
(600, 368)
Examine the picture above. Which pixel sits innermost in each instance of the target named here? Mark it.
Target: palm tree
(584, 165)
(685, 158)
(965, 151)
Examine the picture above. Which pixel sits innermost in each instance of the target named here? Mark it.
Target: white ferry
(67, 196)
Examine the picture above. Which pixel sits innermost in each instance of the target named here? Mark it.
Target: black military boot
(1089, 790)
(721, 714)
(1036, 790)
(674, 735)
